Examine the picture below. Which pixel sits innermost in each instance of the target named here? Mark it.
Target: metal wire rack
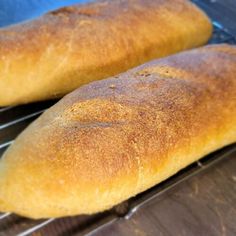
(14, 119)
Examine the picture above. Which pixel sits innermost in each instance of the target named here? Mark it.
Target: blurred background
(14, 11)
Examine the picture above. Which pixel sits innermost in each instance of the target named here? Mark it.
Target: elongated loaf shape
(64, 49)
(111, 139)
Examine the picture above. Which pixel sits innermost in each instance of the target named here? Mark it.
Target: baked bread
(111, 139)
(60, 51)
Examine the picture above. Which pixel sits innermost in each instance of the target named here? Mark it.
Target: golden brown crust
(111, 139)
(72, 46)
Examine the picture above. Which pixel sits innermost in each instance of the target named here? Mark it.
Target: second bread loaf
(60, 51)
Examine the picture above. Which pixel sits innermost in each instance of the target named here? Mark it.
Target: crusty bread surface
(62, 50)
(112, 139)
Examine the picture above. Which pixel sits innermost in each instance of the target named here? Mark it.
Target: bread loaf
(112, 139)
(60, 51)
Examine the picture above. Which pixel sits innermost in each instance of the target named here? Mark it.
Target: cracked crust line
(139, 171)
(66, 57)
